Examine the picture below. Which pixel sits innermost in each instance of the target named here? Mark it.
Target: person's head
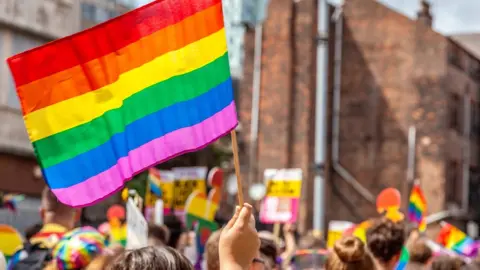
(211, 251)
(268, 250)
(53, 211)
(104, 260)
(78, 248)
(157, 235)
(32, 230)
(349, 253)
(420, 253)
(385, 241)
(161, 258)
(178, 237)
(446, 263)
(415, 266)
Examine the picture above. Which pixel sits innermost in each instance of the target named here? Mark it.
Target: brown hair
(385, 239)
(420, 252)
(211, 251)
(159, 233)
(268, 252)
(446, 263)
(349, 253)
(164, 258)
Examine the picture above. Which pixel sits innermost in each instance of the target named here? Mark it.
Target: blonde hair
(211, 254)
(349, 253)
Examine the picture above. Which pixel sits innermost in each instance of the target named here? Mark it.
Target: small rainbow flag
(105, 104)
(10, 201)
(154, 182)
(417, 207)
(454, 239)
(404, 258)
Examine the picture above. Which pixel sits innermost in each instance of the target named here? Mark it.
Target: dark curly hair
(385, 239)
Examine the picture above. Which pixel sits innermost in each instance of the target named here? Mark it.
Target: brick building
(395, 73)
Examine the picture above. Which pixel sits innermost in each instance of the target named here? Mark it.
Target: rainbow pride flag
(454, 239)
(105, 104)
(417, 207)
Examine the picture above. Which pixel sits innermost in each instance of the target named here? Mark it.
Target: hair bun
(349, 249)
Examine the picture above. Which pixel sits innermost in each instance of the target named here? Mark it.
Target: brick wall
(394, 74)
(287, 89)
(392, 77)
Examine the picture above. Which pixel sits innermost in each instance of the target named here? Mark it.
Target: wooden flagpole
(236, 163)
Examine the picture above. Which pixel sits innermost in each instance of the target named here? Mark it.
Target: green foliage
(139, 183)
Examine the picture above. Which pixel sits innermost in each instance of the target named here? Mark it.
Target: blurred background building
(94, 12)
(25, 24)
(386, 74)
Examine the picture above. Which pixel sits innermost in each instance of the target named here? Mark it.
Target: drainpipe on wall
(349, 178)
(257, 72)
(412, 134)
(321, 115)
(466, 152)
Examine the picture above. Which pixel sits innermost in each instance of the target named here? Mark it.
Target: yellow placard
(183, 188)
(167, 194)
(284, 188)
(333, 236)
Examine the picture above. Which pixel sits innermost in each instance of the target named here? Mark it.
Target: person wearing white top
(3, 262)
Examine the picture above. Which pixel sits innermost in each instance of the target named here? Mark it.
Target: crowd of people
(58, 245)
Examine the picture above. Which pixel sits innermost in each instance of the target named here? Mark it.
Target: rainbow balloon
(11, 240)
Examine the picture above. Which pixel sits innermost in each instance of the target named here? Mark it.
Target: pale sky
(449, 16)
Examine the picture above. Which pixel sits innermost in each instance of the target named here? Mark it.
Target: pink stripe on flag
(154, 152)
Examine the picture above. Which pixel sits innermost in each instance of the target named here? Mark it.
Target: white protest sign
(159, 212)
(137, 228)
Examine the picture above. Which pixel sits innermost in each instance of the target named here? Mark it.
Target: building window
(455, 112)
(21, 43)
(454, 56)
(474, 189)
(453, 183)
(101, 15)
(474, 119)
(113, 14)
(474, 69)
(12, 98)
(88, 12)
